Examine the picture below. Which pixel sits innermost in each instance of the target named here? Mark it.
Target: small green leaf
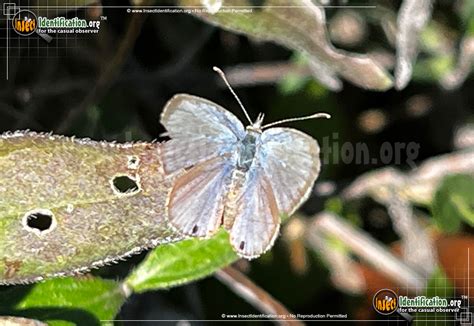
(438, 286)
(292, 83)
(335, 205)
(433, 68)
(175, 264)
(454, 202)
(66, 301)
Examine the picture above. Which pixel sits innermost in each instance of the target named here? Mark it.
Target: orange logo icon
(24, 22)
(385, 302)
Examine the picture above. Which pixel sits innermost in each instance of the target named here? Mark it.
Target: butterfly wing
(257, 220)
(290, 160)
(196, 202)
(199, 130)
(285, 168)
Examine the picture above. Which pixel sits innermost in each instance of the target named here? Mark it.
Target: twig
(248, 75)
(416, 186)
(108, 74)
(342, 268)
(293, 235)
(367, 248)
(256, 296)
(456, 77)
(245, 75)
(464, 136)
(412, 17)
(418, 249)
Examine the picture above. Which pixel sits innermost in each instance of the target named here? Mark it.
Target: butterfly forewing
(200, 130)
(290, 160)
(257, 220)
(196, 202)
(179, 153)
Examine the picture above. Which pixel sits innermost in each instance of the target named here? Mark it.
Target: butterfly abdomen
(235, 189)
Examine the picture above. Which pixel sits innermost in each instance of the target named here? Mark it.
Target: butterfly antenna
(221, 73)
(313, 116)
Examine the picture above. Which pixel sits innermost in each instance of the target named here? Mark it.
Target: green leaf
(66, 301)
(68, 187)
(454, 202)
(186, 261)
(335, 205)
(433, 68)
(438, 286)
(292, 83)
(303, 28)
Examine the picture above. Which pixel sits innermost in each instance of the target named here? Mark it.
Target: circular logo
(24, 22)
(385, 302)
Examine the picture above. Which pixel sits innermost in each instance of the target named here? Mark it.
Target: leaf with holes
(454, 202)
(303, 28)
(66, 301)
(68, 205)
(179, 263)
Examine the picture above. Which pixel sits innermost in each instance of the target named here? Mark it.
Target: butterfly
(240, 178)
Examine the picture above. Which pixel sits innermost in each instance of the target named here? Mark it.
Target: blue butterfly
(241, 178)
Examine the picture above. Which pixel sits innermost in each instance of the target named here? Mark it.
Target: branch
(367, 248)
(256, 296)
(417, 186)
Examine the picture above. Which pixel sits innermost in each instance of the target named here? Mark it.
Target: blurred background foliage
(394, 72)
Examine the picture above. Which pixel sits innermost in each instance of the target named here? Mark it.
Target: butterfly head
(257, 125)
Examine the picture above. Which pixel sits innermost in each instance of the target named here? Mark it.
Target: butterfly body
(247, 149)
(241, 178)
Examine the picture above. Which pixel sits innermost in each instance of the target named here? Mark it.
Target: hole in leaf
(133, 162)
(125, 185)
(39, 221)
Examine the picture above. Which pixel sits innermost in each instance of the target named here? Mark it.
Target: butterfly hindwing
(290, 161)
(257, 219)
(199, 130)
(196, 202)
